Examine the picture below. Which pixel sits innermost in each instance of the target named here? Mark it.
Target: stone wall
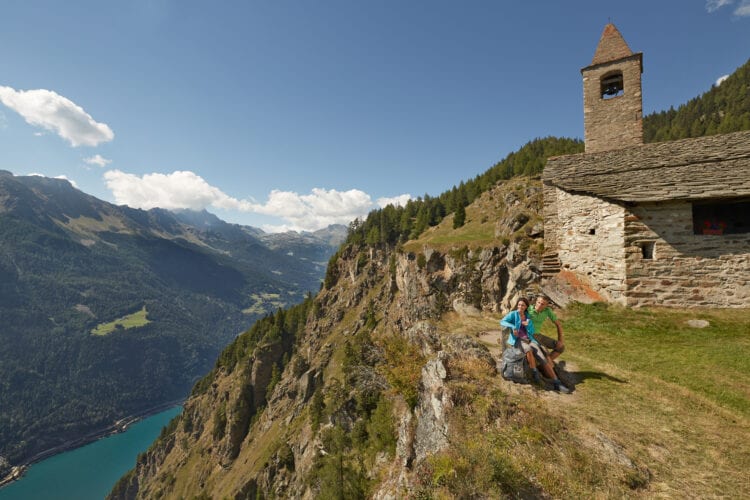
(551, 224)
(685, 269)
(590, 241)
(616, 122)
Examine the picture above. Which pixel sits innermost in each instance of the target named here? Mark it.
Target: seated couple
(525, 322)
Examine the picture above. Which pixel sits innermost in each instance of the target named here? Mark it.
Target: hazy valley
(109, 311)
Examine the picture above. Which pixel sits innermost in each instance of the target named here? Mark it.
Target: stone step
(551, 264)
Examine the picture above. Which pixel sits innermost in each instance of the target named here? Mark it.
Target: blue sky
(296, 114)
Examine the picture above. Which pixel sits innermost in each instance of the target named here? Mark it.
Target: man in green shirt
(538, 313)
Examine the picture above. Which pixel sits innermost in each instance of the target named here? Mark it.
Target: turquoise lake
(88, 472)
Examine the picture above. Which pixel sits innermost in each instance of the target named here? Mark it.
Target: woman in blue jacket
(522, 337)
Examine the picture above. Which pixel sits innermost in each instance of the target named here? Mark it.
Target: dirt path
(493, 340)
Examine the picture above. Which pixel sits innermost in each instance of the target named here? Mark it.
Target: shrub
(361, 260)
(275, 378)
(403, 368)
(459, 254)
(380, 430)
(220, 422)
(332, 271)
(392, 266)
(317, 405)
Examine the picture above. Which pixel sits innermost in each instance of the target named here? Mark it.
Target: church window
(647, 249)
(612, 85)
(725, 217)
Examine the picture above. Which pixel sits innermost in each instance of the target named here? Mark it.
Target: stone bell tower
(612, 99)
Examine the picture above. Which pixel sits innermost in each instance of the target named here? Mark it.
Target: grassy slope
(665, 405)
(668, 406)
(484, 217)
(677, 397)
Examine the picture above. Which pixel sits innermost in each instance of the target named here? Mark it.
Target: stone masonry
(617, 121)
(685, 268)
(620, 215)
(590, 242)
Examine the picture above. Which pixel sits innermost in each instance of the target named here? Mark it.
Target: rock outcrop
(367, 375)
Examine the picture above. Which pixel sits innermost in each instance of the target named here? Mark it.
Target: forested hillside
(392, 225)
(109, 311)
(725, 108)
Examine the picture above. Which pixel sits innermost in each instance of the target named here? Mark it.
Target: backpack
(514, 365)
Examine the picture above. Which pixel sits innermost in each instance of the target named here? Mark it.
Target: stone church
(647, 224)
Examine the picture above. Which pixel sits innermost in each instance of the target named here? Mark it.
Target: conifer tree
(459, 217)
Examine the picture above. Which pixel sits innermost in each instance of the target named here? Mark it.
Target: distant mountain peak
(198, 218)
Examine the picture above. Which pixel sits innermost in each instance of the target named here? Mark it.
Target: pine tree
(459, 218)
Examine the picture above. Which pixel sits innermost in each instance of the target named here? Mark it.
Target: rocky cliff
(384, 390)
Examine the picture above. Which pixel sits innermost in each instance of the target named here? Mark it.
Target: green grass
(484, 222)
(660, 410)
(676, 399)
(472, 232)
(134, 320)
(713, 361)
(478, 231)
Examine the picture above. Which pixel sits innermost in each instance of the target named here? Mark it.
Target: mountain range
(109, 311)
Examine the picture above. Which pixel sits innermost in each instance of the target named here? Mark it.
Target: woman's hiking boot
(535, 377)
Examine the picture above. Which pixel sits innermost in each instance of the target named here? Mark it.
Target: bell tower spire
(612, 97)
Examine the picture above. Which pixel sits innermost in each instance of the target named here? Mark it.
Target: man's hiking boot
(559, 368)
(561, 388)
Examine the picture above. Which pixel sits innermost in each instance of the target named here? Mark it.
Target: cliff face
(360, 396)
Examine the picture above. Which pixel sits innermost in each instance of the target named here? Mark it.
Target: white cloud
(184, 189)
(315, 210)
(396, 201)
(743, 10)
(51, 111)
(721, 79)
(179, 189)
(714, 5)
(72, 182)
(98, 160)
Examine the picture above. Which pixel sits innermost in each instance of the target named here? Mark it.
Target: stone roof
(611, 46)
(712, 167)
